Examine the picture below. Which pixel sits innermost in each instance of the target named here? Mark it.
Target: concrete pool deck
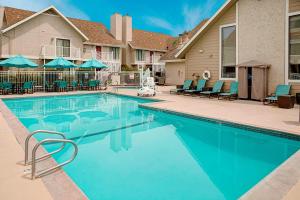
(241, 112)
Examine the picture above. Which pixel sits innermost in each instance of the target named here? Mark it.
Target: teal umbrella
(18, 62)
(93, 63)
(60, 63)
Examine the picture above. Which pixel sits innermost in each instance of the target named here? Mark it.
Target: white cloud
(64, 6)
(192, 15)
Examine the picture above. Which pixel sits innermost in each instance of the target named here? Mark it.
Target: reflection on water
(126, 152)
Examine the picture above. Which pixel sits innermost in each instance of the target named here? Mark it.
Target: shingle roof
(150, 40)
(171, 54)
(95, 31)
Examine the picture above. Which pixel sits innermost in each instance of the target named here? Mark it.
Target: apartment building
(47, 34)
(264, 31)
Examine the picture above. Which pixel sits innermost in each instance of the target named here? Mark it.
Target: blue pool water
(131, 153)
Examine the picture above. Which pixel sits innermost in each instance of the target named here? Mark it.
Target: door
(98, 52)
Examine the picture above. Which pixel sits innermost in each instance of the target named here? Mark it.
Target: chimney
(182, 39)
(116, 26)
(127, 28)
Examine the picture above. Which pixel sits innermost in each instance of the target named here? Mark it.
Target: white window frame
(220, 51)
(62, 38)
(287, 43)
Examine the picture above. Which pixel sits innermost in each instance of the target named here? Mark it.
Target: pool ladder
(35, 159)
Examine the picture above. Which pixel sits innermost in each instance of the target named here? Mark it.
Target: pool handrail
(26, 160)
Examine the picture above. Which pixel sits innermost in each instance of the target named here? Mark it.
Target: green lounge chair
(281, 90)
(215, 91)
(1, 88)
(233, 93)
(49, 87)
(201, 84)
(27, 86)
(186, 86)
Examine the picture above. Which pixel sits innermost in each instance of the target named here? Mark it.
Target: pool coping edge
(69, 190)
(276, 184)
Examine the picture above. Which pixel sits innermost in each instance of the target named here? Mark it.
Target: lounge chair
(186, 86)
(201, 84)
(233, 93)
(280, 91)
(62, 86)
(215, 91)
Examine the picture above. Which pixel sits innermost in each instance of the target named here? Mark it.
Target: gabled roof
(94, 31)
(171, 54)
(199, 33)
(150, 40)
(33, 15)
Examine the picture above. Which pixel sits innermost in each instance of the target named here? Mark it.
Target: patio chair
(7, 88)
(92, 85)
(49, 87)
(280, 91)
(215, 91)
(62, 86)
(74, 85)
(27, 86)
(233, 93)
(186, 86)
(201, 84)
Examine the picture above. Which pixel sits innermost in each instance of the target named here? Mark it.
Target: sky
(164, 16)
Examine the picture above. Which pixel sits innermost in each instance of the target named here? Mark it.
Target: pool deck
(283, 183)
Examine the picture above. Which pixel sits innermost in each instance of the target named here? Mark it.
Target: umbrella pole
(95, 74)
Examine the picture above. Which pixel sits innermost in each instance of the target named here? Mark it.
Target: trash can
(286, 101)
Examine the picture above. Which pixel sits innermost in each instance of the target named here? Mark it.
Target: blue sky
(165, 16)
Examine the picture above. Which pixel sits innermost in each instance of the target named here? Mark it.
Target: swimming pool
(128, 152)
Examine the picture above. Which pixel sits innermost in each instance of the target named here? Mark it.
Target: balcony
(149, 60)
(51, 52)
(103, 56)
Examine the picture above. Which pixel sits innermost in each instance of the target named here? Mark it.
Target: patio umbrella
(93, 64)
(60, 63)
(18, 62)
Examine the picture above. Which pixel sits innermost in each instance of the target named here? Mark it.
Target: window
(62, 48)
(140, 55)
(294, 48)
(228, 52)
(116, 53)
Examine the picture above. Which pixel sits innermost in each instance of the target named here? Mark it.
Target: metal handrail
(43, 172)
(26, 162)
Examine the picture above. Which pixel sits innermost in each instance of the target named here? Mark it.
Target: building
(142, 48)
(243, 30)
(175, 68)
(47, 34)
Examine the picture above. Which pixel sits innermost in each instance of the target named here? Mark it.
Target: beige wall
(175, 73)
(261, 36)
(28, 38)
(197, 62)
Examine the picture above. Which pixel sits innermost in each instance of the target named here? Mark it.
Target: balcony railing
(51, 51)
(149, 60)
(103, 56)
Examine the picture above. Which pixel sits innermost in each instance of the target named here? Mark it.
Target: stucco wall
(175, 73)
(28, 38)
(262, 35)
(198, 62)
